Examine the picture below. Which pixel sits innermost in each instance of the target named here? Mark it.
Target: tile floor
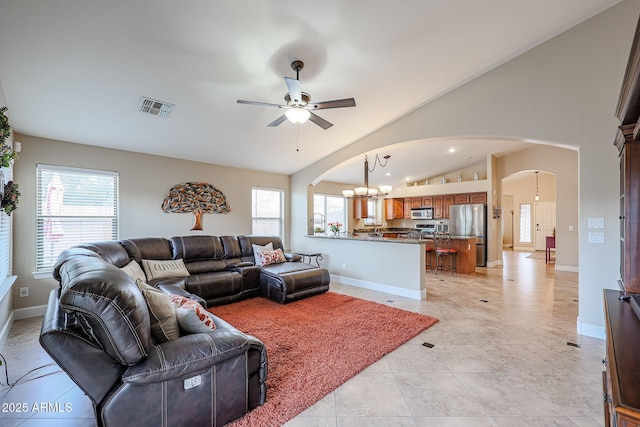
(500, 358)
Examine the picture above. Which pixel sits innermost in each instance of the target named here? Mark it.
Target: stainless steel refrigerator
(471, 221)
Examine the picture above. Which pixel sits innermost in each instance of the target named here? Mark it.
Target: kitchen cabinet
(393, 208)
(478, 197)
(447, 200)
(407, 208)
(360, 207)
(461, 199)
(416, 202)
(437, 207)
(427, 202)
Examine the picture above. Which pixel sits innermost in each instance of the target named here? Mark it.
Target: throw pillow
(257, 249)
(159, 269)
(191, 316)
(134, 271)
(272, 257)
(164, 323)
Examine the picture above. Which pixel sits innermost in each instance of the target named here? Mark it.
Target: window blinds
(73, 206)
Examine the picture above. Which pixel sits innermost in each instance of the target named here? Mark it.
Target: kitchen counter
(366, 237)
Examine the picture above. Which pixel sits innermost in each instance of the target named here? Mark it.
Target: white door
(544, 222)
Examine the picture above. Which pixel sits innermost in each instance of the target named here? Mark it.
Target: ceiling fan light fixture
(297, 115)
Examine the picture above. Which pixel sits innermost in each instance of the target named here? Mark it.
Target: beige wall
(562, 92)
(144, 181)
(563, 189)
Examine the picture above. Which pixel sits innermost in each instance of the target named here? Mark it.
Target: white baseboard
(4, 333)
(27, 312)
(408, 293)
(496, 263)
(590, 330)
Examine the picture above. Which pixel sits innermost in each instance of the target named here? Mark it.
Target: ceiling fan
(298, 106)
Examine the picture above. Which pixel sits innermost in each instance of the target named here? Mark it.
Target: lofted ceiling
(75, 70)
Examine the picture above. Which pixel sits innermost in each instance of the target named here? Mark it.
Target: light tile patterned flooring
(500, 358)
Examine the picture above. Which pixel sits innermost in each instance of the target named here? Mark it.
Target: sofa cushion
(271, 257)
(196, 247)
(191, 316)
(134, 271)
(164, 324)
(147, 248)
(161, 269)
(259, 248)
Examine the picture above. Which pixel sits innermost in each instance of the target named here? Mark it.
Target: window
(525, 223)
(5, 232)
(328, 209)
(267, 212)
(372, 212)
(73, 206)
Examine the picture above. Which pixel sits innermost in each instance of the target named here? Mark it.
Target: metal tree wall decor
(196, 198)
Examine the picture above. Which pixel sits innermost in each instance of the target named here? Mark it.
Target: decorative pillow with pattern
(134, 271)
(257, 249)
(191, 316)
(164, 269)
(164, 323)
(272, 257)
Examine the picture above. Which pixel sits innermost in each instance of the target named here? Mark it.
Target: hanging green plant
(10, 197)
(7, 154)
(5, 127)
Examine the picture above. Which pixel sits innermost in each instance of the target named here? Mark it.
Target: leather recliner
(97, 329)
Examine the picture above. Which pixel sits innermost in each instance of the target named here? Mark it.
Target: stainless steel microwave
(422, 213)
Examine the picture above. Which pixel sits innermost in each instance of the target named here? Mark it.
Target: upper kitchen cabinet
(478, 197)
(393, 209)
(447, 200)
(461, 199)
(360, 207)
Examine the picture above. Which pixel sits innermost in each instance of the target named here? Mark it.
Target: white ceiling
(75, 70)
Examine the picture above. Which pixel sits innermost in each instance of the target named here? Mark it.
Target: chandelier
(365, 191)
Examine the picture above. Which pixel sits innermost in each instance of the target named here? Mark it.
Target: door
(545, 223)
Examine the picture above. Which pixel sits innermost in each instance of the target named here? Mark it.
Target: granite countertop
(370, 239)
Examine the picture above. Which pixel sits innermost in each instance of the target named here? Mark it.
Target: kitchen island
(391, 265)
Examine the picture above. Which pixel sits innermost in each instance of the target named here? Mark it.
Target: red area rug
(316, 344)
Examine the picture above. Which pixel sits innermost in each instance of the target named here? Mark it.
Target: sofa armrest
(174, 290)
(240, 265)
(189, 353)
(292, 257)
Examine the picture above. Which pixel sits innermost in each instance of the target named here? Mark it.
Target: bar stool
(429, 254)
(443, 249)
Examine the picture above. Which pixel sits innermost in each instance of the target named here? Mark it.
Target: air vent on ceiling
(155, 107)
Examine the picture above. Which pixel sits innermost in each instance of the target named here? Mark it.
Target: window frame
(43, 267)
(325, 217)
(280, 191)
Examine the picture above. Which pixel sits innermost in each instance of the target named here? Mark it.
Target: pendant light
(537, 193)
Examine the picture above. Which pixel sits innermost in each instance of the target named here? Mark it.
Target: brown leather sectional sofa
(97, 328)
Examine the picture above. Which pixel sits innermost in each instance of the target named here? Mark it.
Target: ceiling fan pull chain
(298, 137)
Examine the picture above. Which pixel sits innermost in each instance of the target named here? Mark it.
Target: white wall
(561, 92)
(144, 181)
(6, 313)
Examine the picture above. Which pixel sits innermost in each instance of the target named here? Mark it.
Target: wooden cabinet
(447, 200)
(360, 208)
(621, 380)
(416, 202)
(437, 207)
(427, 202)
(461, 198)
(478, 197)
(407, 208)
(393, 208)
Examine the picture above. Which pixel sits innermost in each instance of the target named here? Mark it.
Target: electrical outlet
(24, 292)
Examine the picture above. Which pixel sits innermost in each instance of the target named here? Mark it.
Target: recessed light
(453, 149)
(388, 174)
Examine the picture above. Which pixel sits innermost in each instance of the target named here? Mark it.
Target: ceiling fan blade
(277, 121)
(338, 103)
(295, 93)
(320, 121)
(262, 104)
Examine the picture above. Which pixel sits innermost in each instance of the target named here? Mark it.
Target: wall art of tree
(196, 198)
